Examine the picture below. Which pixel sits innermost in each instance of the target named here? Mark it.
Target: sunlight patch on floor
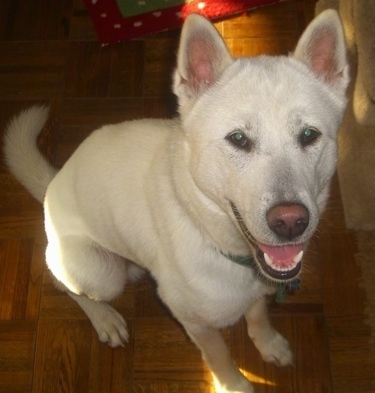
(256, 379)
(253, 378)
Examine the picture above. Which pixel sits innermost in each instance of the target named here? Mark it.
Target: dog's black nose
(288, 221)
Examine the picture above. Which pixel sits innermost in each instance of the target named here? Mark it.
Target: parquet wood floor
(49, 54)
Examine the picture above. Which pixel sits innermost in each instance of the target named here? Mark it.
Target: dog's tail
(22, 155)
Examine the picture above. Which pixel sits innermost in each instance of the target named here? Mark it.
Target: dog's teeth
(298, 257)
(268, 259)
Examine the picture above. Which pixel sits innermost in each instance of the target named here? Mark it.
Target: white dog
(218, 204)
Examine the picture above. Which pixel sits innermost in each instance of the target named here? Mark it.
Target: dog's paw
(277, 351)
(110, 326)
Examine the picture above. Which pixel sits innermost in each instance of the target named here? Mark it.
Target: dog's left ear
(202, 57)
(322, 48)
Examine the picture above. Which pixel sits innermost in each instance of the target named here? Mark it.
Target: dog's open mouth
(277, 263)
(281, 262)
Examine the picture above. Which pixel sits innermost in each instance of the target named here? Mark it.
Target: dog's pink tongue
(282, 253)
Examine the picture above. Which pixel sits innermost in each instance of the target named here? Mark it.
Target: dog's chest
(228, 299)
(218, 297)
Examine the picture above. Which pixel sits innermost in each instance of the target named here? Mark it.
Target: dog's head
(260, 135)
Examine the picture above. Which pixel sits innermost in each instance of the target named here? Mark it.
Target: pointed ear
(322, 48)
(202, 57)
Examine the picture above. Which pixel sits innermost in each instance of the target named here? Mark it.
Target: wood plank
(111, 71)
(352, 354)
(160, 61)
(69, 358)
(49, 20)
(17, 344)
(19, 289)
(280, 20)
(342, 292)
(32, 70)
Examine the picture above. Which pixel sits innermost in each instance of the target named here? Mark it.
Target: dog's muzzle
(278, 263)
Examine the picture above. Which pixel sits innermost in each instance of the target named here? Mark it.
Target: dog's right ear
(202, 57)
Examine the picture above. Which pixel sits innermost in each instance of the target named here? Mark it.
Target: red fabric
(112, 27)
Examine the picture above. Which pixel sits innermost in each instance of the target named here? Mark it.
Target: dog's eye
(308, 136)
(239, 139)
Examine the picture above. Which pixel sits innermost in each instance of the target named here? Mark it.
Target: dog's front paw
(108, 323)
(276, 350)
(110, 326)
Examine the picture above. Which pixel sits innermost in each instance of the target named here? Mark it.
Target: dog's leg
(91, 276)
(215, 353)
(273, 347)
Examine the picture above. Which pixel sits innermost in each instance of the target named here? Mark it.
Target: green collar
(282, 289)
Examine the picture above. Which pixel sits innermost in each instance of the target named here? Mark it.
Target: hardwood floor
(49, 54)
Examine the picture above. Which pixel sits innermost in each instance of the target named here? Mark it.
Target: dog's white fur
(158, 192)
